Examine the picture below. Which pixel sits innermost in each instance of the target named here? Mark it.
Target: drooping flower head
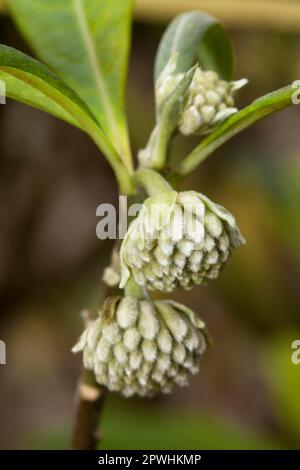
(141, 347)
(178, 239)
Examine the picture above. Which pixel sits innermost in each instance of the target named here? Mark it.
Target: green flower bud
(208, 102)
(178, 240)
(143, 347)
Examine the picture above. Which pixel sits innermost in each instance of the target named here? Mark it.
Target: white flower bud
(167, 86)
(127, 312)
(148, 322)
(131, 338)
(149, 350)
(191, 243)
(208, 102)
(160, 349)
(167, 81)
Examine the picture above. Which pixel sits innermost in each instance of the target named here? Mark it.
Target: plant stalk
(152, 181)
(260, 108)
(89, 398)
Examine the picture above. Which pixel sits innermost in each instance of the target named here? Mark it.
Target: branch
(89, 400)
(90, 397)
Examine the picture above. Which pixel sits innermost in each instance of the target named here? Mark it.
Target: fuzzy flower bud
(178, 240)
(208, 102)
(167, 81)
(140, 347)
(167, 86)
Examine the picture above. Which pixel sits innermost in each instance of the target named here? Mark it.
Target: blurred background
(52, 178)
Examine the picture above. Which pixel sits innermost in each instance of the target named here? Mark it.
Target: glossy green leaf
(259, 109)
(30, 81)
(22, 91)
(197, 37)
(86, 42)
(33, 83)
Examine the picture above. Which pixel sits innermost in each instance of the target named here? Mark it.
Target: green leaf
(259, 109)
(31, 82)
(86, 42)
(25, 93)
(197, 37)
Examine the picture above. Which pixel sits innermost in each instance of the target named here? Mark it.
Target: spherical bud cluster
(208, 102)
(143, 347)
(178, 240)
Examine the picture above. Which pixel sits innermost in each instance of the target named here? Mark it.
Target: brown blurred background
(52, 178)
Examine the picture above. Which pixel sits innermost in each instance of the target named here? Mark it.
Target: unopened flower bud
(143, 347)
(167, 80)
(208, 102)
(178, 240)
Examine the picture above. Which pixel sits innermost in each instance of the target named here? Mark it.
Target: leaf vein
(94, 62)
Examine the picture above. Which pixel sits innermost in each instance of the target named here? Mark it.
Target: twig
(90, 397)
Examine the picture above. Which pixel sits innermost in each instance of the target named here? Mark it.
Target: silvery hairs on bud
(207, 102)
(167, 80)
(178, 239)
(143, 347)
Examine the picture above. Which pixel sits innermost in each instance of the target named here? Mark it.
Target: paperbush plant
(137, 345)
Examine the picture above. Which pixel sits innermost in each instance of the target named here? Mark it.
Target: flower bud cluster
(208, 102)
(142, 347)
(178, 240)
